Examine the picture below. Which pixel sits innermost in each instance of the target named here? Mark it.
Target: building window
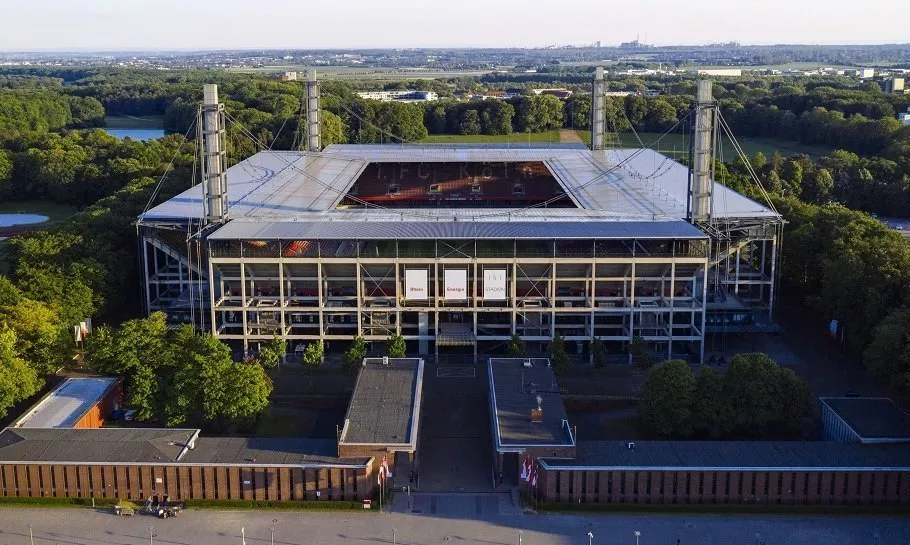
(394, 189)
(475, 189)
(518, 189)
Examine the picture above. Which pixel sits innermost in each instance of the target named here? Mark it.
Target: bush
(353, 358)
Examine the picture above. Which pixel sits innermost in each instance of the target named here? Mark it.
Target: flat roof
(385, 407)
(268, 451)
(164, 446)
(386, 230)
(515, 391)
(280, 185)
(66, 404)
(94, 446)
(733, 455)
(871, 417)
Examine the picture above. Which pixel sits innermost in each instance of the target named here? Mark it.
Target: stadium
(459, 247)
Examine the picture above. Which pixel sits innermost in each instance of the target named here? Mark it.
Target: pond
(12, 220)
(136, 134)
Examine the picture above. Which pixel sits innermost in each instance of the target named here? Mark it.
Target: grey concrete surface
(85, 527)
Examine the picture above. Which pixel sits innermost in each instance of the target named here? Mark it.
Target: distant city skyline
(171, 25)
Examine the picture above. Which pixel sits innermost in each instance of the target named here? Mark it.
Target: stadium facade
(458, 248)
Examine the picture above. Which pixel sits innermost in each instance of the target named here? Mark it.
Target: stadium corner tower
(460, 247)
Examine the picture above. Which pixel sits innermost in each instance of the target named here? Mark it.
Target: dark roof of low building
(104, 445)
(267, 451)
(515, 391)
(742, 455)
(871, 417)
(385, 406)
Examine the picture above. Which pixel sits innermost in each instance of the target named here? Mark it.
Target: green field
(517, 138)
(134, 122)
(54, 211)
(675, 145)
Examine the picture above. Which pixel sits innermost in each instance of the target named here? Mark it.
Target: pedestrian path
(452, 505)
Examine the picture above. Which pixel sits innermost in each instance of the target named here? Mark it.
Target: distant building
(289, 76)
(861, 73)
(728, 72)
(558, 93)
(905, 117)
(400, 96)
(894, 86)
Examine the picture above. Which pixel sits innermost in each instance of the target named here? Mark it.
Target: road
(86, 526)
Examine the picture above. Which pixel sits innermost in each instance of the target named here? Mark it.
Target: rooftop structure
(526, 407)
(67, 404)
(384, 411)
(864, 420)
(399, 96)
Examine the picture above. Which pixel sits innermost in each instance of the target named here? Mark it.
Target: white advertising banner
(456, 284)
(416, 284)
(494, 284)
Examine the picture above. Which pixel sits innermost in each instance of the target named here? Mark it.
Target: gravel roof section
(385, 406)
(268, 451)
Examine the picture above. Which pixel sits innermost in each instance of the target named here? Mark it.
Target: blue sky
(78, 25)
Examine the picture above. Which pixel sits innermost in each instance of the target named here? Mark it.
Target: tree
(272, 351)
(18, 380)
(558, 355)
(516, 347)
(667, 399)
(470, 123)
(712, 410)
(313, 354)
(333, 129)
(599, 352)
(819, 186)
(888, 355)
(396, 346)
(759, 160)
(640, 353)
(765, 397)
(353, 358)
(496, 117)
(537, 113)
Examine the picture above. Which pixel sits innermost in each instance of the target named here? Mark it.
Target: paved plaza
(455, 522)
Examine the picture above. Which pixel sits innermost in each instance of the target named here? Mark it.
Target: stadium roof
(385, 230)
(609, 185)
(66, 404)
(385, 406)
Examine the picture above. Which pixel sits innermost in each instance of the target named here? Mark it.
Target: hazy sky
(63, 25)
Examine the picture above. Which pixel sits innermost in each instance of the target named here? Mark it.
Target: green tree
(496, 117)
(18, 380)
(313, 354)
(516, 347)
(470, 123)
(40, 338)
(888, 355)
(396, 346)
(641, 354)
(765, 397)
(599, 352)
(667, 399)
(712, 409)
(558, 355)
(759, 160)
(538, 113)
(334, 130)
(353, 358)
(272, 351)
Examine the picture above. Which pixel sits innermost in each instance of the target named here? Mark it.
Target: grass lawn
(516, 138)
(674, 145)
(52, 210)
(134, 122)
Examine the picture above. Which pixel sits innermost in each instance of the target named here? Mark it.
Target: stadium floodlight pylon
(598, 112)
(313, 134)
(701, 170)
(210, 124)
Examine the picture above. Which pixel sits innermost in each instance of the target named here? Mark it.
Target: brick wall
(184, 482)
(798, 487)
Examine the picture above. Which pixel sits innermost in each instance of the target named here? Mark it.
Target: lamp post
(394, 537)
(637, 535)
(519, 537)
(272, 535)
(243, 535)
(31, 539)
(590, 538)
(151, 535)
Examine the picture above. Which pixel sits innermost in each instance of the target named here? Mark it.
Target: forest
(838, 261)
